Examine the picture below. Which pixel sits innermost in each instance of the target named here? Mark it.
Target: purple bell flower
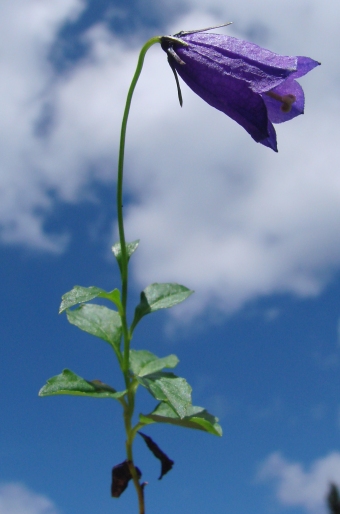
(253, 86)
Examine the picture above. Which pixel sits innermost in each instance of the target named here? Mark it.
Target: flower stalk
(129, 408)
(124, 256)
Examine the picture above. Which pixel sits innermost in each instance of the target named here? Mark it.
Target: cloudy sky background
(254, 233)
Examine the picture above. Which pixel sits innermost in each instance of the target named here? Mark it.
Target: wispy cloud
(28, 29)
(297, 487)
(18, 499)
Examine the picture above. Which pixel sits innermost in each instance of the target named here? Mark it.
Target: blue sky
(254, 233)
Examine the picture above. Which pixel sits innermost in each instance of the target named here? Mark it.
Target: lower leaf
(195, 417)
(166, 462)
(170, 388)
(121, 475)
(70, 383)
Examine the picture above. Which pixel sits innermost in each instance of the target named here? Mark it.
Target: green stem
(124, 256)
(129, 442)
(129, 407)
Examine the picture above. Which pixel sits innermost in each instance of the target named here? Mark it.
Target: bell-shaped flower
(253, 86)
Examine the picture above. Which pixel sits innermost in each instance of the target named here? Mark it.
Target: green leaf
(159, 296)
(170, 361)
(70, 383)
(144, 363)
(195, 417)
(81, 294)
(98, 321)
(130, 248)
(168, 387)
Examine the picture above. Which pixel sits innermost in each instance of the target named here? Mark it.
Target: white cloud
(213, 210)
(17, 499)
(296, 487)
(28, 28)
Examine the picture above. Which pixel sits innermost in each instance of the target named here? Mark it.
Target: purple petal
(305, 64)
(270, 141)
(230, 96)
(260, 68)
(289, 87)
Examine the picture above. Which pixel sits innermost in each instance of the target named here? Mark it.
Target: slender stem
(124, 258)
(138, 486)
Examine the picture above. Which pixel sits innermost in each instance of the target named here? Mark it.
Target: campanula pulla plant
(256, 88)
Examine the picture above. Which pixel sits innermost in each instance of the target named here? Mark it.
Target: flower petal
(289, 87)
(231, 96)
(260, 68)
(270, 141)
(305, 64)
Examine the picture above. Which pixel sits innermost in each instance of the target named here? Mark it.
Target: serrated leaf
(195, 417)
(168, 387)
(130, 248)
(144, 363)
(159, 296)
(70, 383)
(98, 321)
(81, 294)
